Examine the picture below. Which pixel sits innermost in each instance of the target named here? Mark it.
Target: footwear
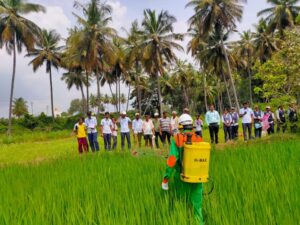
(165, 185)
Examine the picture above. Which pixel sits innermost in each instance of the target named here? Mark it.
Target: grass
(255, 183)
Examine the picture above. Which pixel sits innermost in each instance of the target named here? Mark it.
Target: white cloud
(118, 15)
(54, 18)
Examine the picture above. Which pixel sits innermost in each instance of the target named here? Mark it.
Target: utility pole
(31, 107)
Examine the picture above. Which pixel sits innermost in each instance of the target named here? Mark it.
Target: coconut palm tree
(89, 46)
(219, 16)
(17, 32)
(133, 42)
(281, 15)
(20, 107)
(265, 43)
(158, 44)
(76, 78)
(48, 52)
(245, 51)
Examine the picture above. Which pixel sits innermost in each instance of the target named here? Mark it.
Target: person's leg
(157, 135)
(272, 128)
(230, 133)
(169, 137)
(196, 200)
(244, 131)
(79, 140)
(211, 133)
(225, 133)
(163, 137)
(127, 135)
(95, 140)
(109, 141)
(150, 140)
(216, 131)
(85, 145)
(249, 127)
(140, 139)
(105, 141)
(259, 132)
(115, 140)
(122, 140)
(90, 137)
(284, 127)
(256, 135)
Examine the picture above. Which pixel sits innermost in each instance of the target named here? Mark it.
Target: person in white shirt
(174, 123)
(91, 124)
(212, 119)
(246, 114)
(106, 131)
(114, 133)
(198, 124)
(227, 121)
(148, 131)
(137, 124)
(125, 131)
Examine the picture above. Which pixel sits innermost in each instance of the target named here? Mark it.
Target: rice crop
(254, 184)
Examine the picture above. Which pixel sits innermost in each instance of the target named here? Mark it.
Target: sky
(35, 87)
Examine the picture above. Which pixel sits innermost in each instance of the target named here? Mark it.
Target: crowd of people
(161, 129)
(260, 121)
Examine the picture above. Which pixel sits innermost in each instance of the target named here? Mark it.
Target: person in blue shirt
(125, 130)
(91, 124)
(212, 119)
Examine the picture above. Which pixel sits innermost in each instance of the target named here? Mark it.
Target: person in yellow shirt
(80, 131)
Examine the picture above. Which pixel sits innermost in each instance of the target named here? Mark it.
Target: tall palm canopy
(47, 52)
(282, 14)
(89, 46)
(16, 32)
(218, 15)
(159, 43)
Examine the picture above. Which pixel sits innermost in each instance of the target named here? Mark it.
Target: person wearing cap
(281, 121)
(91, 124)
(271, 119)
(125, 130)
(137, 128)
(258, 118)
(106, 131)
(148, 131)
(234, 124)
(198, 124)
(165, 128)
(191, 190)
(174, 123)
(156, 124)
(213, 120)
(246, 114)
(227, 121)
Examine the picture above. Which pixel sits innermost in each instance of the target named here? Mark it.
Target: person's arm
(160, 131)
(241, 114)
(75, 129)
(223, 121)
(172, 159)
(207, 119)
(252, 116)
(170, 126)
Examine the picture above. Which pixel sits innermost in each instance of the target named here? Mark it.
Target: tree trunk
(83, 99)
(128, 97)
(116, 96)
(98, 92)
(51, 91)
(119, 93)
(139, 97)
(227, 90)
(230, 73)
(12, 87)
(87, 93)
(159, 94)
(250, 79)
(186, 98)
(205, 92)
